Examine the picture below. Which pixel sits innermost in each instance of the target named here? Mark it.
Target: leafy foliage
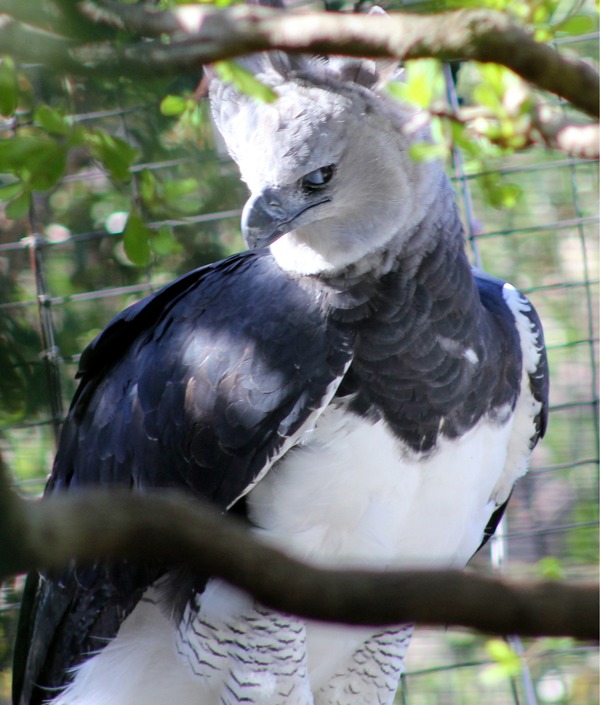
(507, 663)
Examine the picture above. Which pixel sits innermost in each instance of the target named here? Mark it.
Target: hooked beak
(266, 218)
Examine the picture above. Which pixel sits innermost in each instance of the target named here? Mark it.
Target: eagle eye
(317, 179)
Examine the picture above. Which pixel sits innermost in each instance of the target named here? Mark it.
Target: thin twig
(572, 138)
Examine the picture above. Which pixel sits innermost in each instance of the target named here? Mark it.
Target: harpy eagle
(349, 385)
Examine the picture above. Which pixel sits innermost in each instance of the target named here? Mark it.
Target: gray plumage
(349, 385)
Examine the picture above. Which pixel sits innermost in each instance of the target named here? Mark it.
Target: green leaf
(487, 95)
(500, 194)
(494, 75)
(9, 87)
(163, 242)
(52, 120)
(77, 136)
(148, 186)
(10, 191)
(17, 151)
(136, 236)
(173, 105)
(507, 662)
(500, 651)
(116, 155)
(179, 188)
(426, 152)
(550, 568)
(509, 195)
(423, 83)
(244, 81)
(577, 24)
(39, 161)
(19, 207)
(46, 166)
(550, 644)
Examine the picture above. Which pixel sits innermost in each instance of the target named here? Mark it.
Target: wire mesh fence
(65, 271)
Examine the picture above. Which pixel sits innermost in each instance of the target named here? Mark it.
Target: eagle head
(327, 163)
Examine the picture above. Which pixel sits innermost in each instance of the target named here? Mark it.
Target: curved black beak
(264, 219)
(268, 215)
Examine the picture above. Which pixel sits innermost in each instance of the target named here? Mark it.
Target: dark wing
(491, 294)
(198, 387)
(202, 384)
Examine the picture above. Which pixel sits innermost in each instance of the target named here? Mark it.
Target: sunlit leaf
(173, 105)
(543, 34)
(484, 94)
(577, 24)
(509, 195)
(550, 568)
(244, 81)
(498, 193)
(423, 83)
(425, 151)
(136, 236)
(499, 650)
(507, 663)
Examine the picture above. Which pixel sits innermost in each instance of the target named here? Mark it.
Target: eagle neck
(420, 338)
(403, 266)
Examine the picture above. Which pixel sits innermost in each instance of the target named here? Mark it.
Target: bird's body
(357, 392)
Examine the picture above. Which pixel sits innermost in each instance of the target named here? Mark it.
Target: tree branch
(171, 528)
(572, 138)
(547, 125)
(201, 35)
(31, 44)
(34, 15)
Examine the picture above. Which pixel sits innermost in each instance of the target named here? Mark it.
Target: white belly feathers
(353, 496)
(350, 495)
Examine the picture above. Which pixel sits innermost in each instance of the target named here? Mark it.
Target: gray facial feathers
(332, 114)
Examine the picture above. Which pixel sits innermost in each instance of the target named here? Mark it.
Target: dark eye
(318, 178)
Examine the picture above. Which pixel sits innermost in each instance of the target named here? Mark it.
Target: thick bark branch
(200, 35)
(171, 528)
(480, 35)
